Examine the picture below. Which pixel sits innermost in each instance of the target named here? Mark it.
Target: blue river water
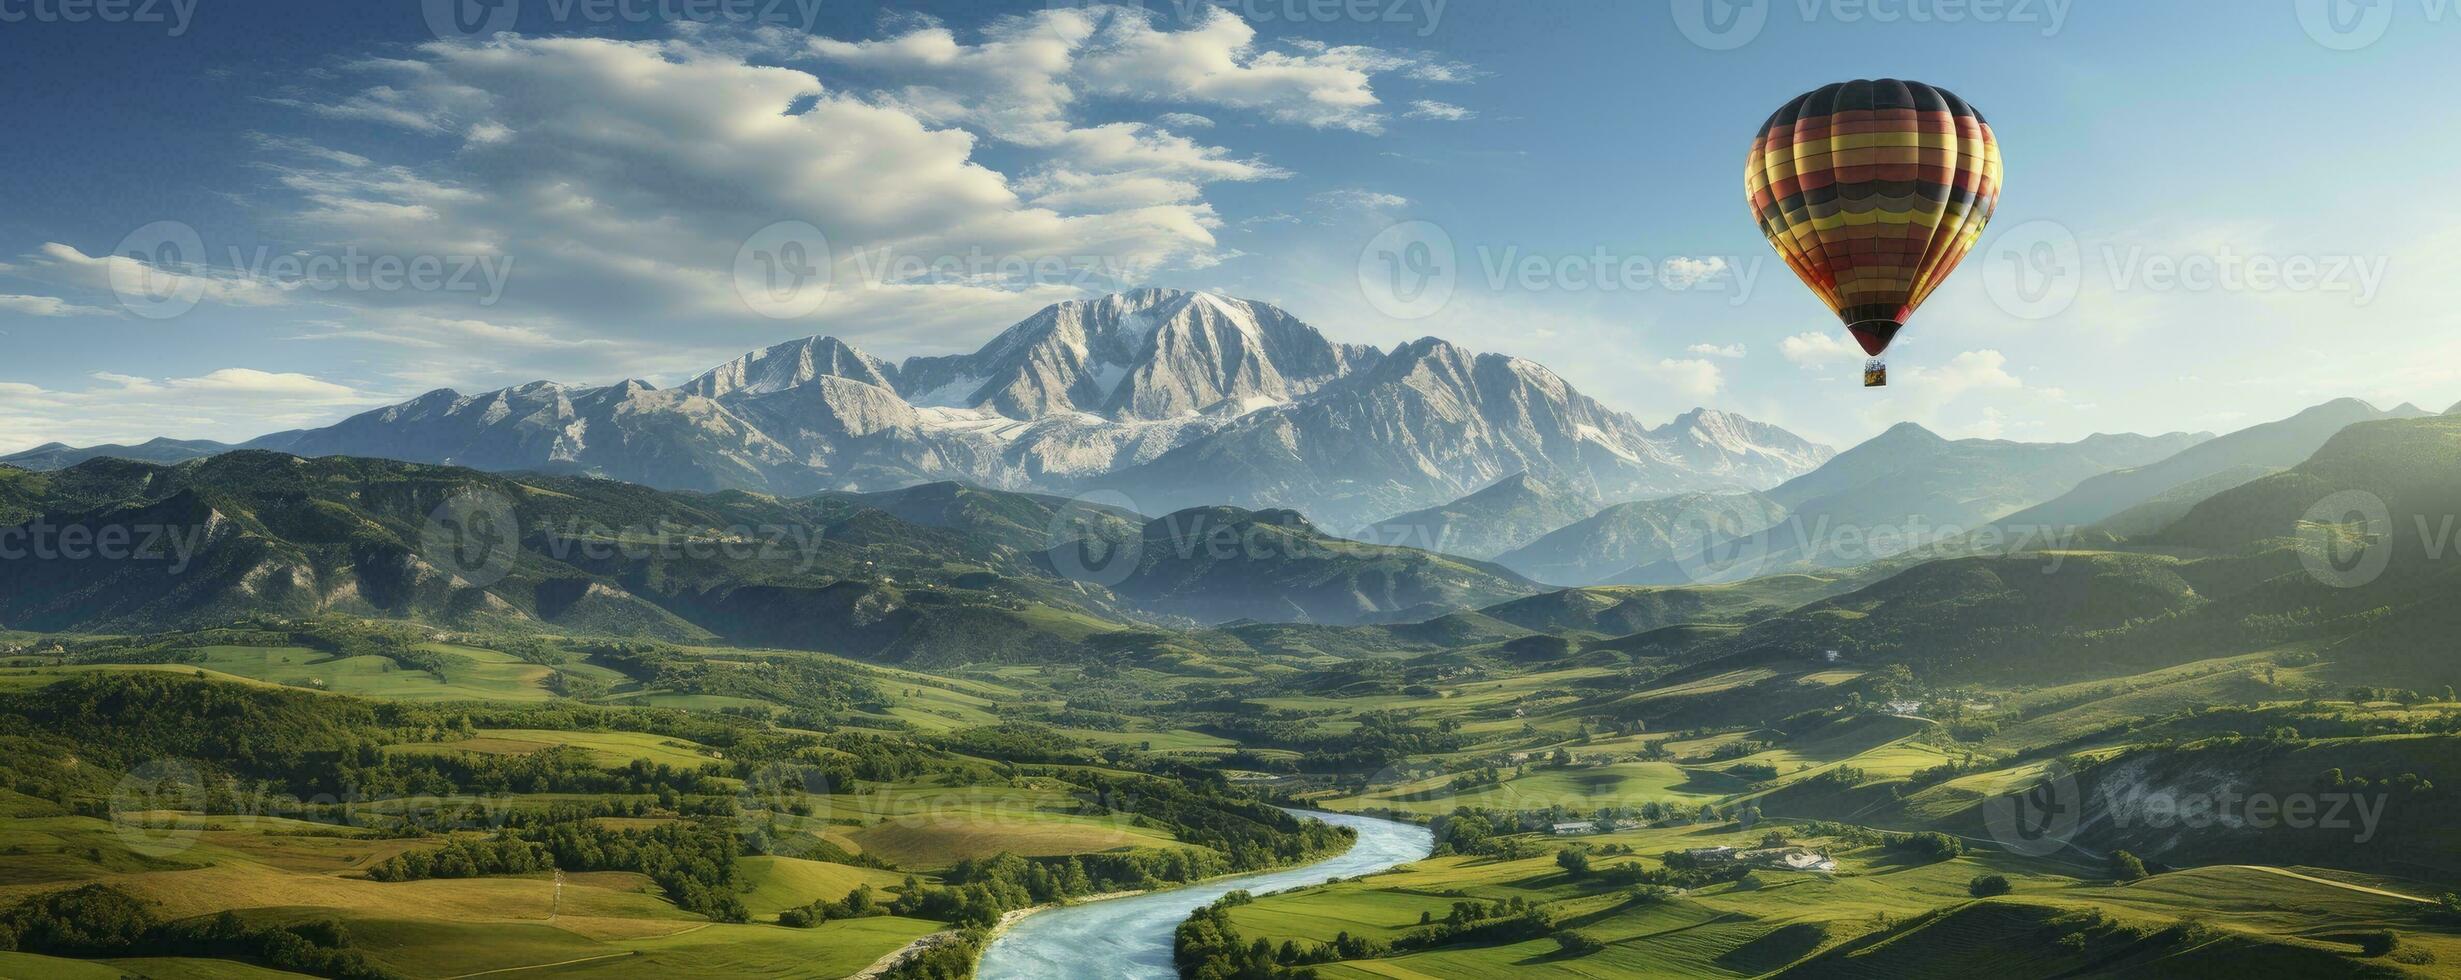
(1130, 938)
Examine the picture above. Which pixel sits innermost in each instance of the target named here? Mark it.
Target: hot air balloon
(1872, 191)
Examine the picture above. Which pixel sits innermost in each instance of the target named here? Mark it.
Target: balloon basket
(1875, 373)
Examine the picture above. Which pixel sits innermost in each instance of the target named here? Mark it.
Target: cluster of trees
(502, 854)
(1476, 830)
(1928, 844)
(693, 863)
(1381, 739)
(1208, 945)
(1501, 921)
(98, 920)
(860, 903)
(977, 891)
(1070, 716)
(809, 683)
(690, 861)
(950, 960)
(1018, 741)
(1249, 832)
(397, 642)
(372, 773)
(250, 743)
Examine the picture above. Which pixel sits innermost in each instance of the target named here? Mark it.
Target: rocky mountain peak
(792, 363)
(1146, 354)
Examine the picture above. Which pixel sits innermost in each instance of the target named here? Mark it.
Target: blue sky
(2215, 213)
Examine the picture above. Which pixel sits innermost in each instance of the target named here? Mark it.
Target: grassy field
(486, 674)
(1607, 725)
(1775, 920)
(607, 748)
(780, 883)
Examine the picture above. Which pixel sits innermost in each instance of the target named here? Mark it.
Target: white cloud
(1023, 74)
(1815, 349)
(623, 177)
(229, 404)
(1685, 272)
(1216, 61)
(1974, 369)
(1432, 109)
(1729, 351)
(1357, 199)
(250, 381)
(617, 181)
(68, 265)
(1690, 377)
(1976, 384)
(49, 306)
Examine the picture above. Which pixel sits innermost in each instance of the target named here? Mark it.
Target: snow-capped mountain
(1430, 421)
(1141, 355)
(1172, 398)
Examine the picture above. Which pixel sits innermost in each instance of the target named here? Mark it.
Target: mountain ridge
(1173, 398)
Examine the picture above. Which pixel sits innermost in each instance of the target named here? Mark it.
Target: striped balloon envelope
(1872, 191)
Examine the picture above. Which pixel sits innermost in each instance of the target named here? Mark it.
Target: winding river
(1130, 938)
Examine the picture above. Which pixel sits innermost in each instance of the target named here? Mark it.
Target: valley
(265, 714)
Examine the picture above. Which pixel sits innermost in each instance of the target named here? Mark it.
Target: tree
(1574, 861)
(1574, 942)
(1985, 886)
(2378, 942)
(2126, 866)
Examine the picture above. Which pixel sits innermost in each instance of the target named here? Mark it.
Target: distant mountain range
(2170, 486)
(1905, 488)
(1905, 495)
(938, 572)
(2276, 563)
(1173, 399)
